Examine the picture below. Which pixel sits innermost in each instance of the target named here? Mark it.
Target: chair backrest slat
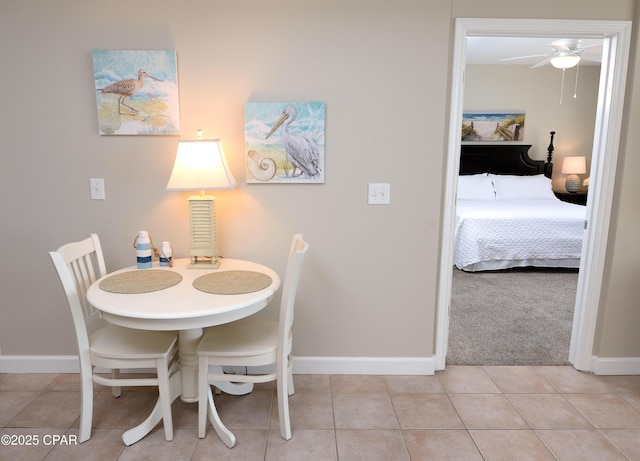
(297, 253)
(79, 264)
(84, 273)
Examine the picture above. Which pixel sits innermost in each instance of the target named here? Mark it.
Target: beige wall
(620, 312)
(362, 291)
(537, 93)
(370, 281)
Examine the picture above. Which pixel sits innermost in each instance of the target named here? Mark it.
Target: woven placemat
(232, 282)
(140, 281)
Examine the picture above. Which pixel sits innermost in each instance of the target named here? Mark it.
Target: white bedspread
(498, 234)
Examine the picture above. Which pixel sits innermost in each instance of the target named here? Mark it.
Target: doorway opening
(616, 42)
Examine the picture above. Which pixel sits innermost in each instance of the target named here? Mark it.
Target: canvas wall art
(136, 92)
(284, 142)
(493, 126)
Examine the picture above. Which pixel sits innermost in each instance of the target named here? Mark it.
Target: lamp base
(573, 183)
(200, 264)
(202, 227)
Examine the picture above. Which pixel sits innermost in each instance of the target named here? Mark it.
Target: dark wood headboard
(504, 159)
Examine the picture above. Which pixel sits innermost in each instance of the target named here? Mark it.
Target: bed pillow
(475, 187)
(510, 187)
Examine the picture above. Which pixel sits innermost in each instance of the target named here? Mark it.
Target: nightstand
(579, 198)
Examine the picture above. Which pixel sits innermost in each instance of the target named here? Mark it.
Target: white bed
(506, 221)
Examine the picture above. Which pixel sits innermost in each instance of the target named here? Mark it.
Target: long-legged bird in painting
(126, 88)
(301, 150)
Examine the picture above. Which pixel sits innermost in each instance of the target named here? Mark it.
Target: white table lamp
(200, 165)
(573, 166)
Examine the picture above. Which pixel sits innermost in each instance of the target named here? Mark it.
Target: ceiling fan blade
(525, 57)
(542, 63)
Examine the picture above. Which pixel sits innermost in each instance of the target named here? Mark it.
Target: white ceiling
(490, 50)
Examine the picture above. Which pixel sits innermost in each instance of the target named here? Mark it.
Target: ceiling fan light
(565, 62)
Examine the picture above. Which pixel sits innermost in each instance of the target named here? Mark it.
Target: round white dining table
(186, 309)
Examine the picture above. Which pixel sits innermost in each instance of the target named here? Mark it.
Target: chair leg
(290, 387)
(86, 406)
(203, 385)
(164, 391)
(283, 407)
(116, 391)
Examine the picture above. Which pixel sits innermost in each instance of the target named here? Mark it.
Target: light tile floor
(463, 413)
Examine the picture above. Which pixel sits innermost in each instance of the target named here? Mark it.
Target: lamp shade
(200, 165)
(574, 165)
(565, 62)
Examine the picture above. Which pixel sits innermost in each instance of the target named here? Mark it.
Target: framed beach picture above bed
(493, 126)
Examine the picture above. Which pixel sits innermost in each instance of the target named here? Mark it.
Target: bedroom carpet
(513, 317)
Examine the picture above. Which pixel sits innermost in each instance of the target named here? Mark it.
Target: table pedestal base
(184, 384)
(176, 383)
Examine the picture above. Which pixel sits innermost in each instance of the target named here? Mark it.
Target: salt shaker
(166, 254)
(144, 252)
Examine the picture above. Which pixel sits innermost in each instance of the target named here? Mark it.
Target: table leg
(225, 434)
(187, 352)
(136, 433)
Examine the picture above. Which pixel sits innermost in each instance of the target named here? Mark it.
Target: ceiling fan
(565, 54)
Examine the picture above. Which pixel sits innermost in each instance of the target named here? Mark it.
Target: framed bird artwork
(284, 142)
(136, 92)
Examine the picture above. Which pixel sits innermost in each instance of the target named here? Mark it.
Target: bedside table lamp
(200, 165)
(573, 166)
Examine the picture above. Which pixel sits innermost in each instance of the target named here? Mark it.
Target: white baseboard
(314, 365)
(615, 365)
(301, 365)
(39, 364)
(364, 365)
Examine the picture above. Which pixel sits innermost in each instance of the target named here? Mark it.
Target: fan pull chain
(562, 85)
(575, 90)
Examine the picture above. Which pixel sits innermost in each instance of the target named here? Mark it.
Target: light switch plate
(379, 194)
(97, 188)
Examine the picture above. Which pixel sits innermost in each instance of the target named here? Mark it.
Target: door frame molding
(608, 124)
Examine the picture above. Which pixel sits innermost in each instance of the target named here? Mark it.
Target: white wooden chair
(79, 264)
(252, 342)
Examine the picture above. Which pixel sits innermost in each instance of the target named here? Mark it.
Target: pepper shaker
(166, 254)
